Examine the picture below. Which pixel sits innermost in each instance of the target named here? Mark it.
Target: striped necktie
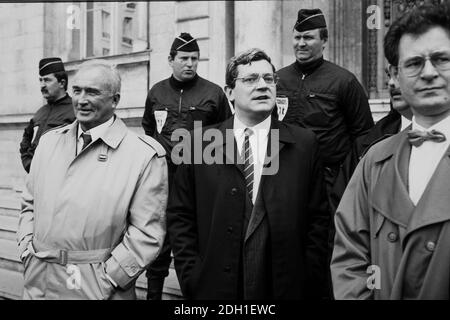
(87, 138)
(248, 162)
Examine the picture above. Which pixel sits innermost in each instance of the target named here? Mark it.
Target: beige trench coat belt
(61, 256)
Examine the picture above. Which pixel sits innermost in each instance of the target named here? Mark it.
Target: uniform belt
(61, 256)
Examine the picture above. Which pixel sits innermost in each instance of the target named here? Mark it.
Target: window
(109, 28)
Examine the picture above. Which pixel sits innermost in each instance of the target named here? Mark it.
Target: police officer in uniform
(58, 110)
(175, 103)
(318, 94)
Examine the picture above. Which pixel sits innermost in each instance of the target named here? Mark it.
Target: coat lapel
(433, 206)
(278, 138)
(393, 178)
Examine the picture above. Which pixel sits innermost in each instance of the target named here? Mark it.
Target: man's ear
(229, 93)
(116, 99)
(393, 71)
(170, 60)
(62, 83)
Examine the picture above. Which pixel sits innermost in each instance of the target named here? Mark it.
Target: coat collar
(394, 159)
(112, 136)
(433, 205)
(284, 137)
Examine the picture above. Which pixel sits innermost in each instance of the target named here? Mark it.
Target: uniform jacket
(172, 104)
(386, 127)
(329, 100)
(108, 203)
(378, 225)
(47, 117)
(206, 217)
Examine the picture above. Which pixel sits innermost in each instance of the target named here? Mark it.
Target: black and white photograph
(242, 152)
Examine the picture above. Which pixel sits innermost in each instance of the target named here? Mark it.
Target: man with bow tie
(393, 223)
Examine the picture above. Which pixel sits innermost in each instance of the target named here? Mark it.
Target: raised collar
(59, 101)
(178, 85)
(308, 67)
(112, 136)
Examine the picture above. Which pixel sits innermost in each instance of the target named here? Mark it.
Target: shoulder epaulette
(373, 143)
(154, 144)
(59, 129)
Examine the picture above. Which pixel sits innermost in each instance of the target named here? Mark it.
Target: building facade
(136, 36)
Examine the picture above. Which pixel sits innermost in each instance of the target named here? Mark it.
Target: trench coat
(92, 216)
(205, 218)
(385, 247)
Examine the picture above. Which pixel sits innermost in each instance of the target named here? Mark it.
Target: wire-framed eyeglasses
(253, 79)
(413, 66)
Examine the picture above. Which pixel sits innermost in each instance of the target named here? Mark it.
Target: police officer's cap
(309, 19)
(185, 42)
(50, 65)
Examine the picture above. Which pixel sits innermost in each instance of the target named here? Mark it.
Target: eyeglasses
(413, 67)
(253, 79)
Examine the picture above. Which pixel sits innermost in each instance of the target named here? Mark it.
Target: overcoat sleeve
(146, 225)
(351, 254)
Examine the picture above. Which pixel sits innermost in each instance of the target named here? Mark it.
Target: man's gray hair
(112, 77)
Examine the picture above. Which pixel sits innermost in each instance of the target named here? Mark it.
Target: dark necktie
(87, 138)
(417, 137)
(248, 163)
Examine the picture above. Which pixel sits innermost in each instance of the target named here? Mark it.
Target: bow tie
(417, 137)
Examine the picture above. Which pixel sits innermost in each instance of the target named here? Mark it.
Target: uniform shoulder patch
(154, 144)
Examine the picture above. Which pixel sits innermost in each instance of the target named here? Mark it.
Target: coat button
(392, 237)
(233, 191)
(227, 269)
(430, 246)
(230, 230)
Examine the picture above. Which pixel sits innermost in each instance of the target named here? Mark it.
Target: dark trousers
(330, 175)
(158, 270)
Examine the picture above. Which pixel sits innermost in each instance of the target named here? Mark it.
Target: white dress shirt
(425, 159)
(258, 144)
(95, 133)
(405, 123)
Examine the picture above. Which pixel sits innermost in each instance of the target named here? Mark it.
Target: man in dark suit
(253, 223)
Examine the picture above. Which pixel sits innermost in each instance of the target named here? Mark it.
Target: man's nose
(261, 84)
(429, 71)
(189, 62)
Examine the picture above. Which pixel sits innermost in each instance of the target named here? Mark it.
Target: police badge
(160, 118)
(282, 106)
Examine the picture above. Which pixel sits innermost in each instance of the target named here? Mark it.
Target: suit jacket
(378, 225)
(206, 216)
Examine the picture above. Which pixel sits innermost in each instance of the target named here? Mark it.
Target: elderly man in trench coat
(93, 212)
(393, 223)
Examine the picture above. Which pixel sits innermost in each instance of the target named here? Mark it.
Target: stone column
(258, 24)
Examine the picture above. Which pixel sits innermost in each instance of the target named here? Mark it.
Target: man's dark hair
(416, 22)
(323, 34)
(61, 75)
(246, 57)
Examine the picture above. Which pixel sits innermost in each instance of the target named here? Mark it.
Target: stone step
(8, 223)
(11, 284)
(9, 250)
